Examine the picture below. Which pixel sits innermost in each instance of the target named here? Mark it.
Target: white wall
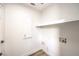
(49, 37)
(1, 27)
(60, 11)
(70, 31)
(18, 23)
(69, 11)
(55, 13)
(50, 14)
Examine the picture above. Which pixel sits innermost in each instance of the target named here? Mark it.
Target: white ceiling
(38, 6)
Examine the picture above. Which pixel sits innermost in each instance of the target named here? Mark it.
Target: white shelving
(55, 22)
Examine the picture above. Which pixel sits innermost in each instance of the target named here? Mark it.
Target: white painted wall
(70, 31)
(52, 14)
(69, 11)
(1, 27)
(49, 37)
(60, 12)
(18, 22)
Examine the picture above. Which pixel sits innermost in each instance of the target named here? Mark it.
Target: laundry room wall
(1, 26)
(20, 39)
(60, 12)
(57, 12)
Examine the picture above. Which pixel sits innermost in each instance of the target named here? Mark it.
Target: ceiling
(38, 6)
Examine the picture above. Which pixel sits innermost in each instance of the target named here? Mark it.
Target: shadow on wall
(61, 39)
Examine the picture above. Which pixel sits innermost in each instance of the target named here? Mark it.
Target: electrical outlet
(63, 40)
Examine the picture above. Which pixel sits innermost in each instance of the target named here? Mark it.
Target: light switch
(27, 36)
